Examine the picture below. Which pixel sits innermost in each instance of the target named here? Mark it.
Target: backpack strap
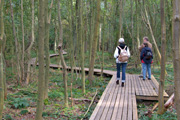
(125, 48)
(119, 48)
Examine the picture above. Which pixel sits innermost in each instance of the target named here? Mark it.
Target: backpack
(123, 56)
(148, 54)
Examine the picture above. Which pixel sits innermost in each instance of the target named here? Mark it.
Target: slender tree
(41, 77)
(94, 47)
(80, 33)
(120, 17)
(46, 45)
(31, 43)
(137, 23)
(104, 37)
(152, 34)
(23, 48)
(91, 26)
(19, 79)
(72, 47)
(163, 60)
(176, 53)
(60, 47)
(1, 61)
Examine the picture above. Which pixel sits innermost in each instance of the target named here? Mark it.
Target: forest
(57, 57)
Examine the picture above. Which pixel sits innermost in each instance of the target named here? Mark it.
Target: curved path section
(116, 102)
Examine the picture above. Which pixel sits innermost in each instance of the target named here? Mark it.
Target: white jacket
(116, 54)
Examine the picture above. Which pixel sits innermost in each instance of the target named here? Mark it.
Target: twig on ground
(90, 105)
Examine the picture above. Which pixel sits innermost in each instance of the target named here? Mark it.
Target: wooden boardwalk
(119, 103)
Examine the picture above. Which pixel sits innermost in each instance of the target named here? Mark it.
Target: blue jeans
(146, 67)
(118, 65)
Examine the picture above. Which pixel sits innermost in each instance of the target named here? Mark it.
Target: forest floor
(21, 100)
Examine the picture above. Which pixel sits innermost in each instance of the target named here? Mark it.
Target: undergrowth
(21, 100)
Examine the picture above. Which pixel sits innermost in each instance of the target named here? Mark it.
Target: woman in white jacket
(117, 52)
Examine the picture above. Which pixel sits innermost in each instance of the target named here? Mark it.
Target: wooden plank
(152, 98)
(112, 97)
(146, 87)
(119, 95)
(144, 91)
(134, 103)
(125, 108)
(101, 99)
(151, 88)
(156, 85)
(113, 104)
(139, 87)
(130, 107)
(135, 85)
(102, 106)
(120, 107)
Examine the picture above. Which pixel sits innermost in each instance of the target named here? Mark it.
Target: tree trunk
(91, 27)
(120, 17)
(80, 34)
(31, 44)
(149, 25)
(176, 53)
(22, 25)
(60, 47)
(1, 61)
(19, 79)
(1, 86)
(56, 38)
(103, 39)
(94, 47)
(100, 37)
(41, 77)
(132, 26)
(46, 46)
(163, 60)
(72, 48)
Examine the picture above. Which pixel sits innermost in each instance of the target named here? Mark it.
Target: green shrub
(55, 94)
(20, 103)
(23, 112)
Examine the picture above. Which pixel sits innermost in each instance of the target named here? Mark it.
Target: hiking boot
(122, 84)
(140, 76)
(117, 82)
(149, 78)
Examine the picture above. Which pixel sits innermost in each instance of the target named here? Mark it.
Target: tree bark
(1, 61)
(46, 46)
(1, 86)
(94, 47)
(149, 25)
(19, 79)
(120, 17)
(137, 26)
(41, 77)
(60, 47)
(72, 48)
(22, 25)
(91, 27)
(80, 34)
(163, 60)
(176, 53)
(31, 44)
(100, 37)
